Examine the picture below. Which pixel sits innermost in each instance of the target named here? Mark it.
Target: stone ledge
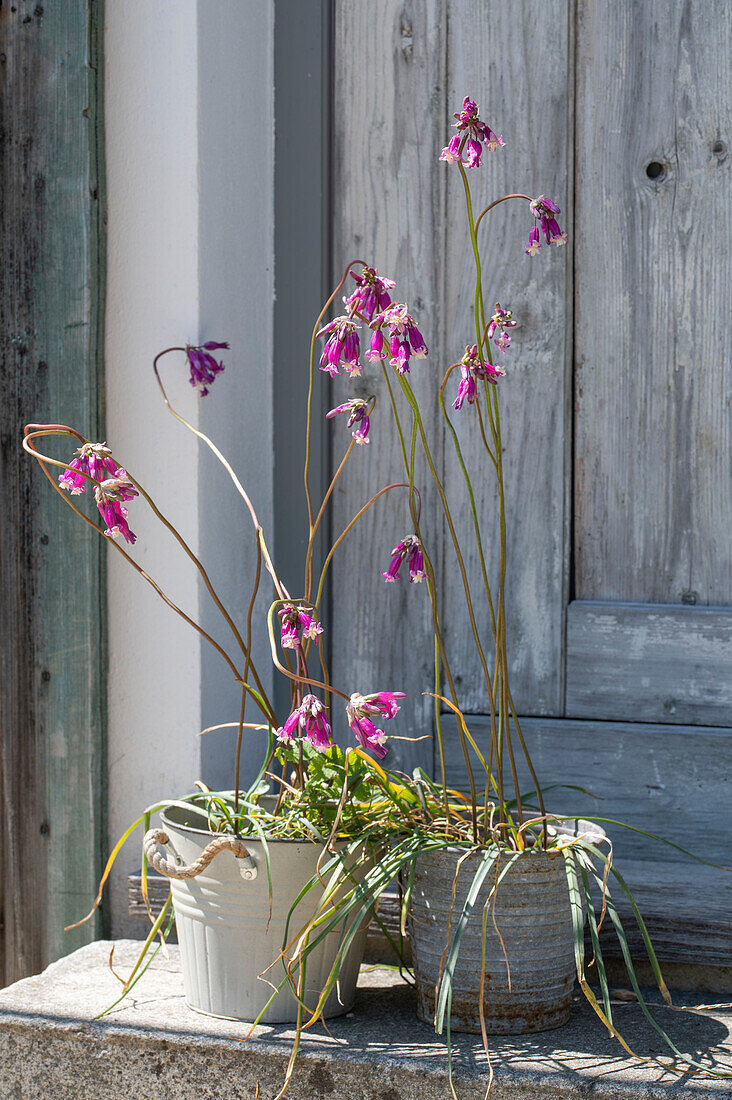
(153, 1047)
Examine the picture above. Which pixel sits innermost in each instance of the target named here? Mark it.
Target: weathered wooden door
(616, 415)
(52, 638)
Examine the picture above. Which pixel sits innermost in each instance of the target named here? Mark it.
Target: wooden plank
(526, 99)
(653, 495)
(687, 916)
(388, 127)
(158, 889)
(666, 780)
(649, 663)
(51, 632)
(681, 931)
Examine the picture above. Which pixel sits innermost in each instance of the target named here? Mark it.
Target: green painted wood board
(52, 691)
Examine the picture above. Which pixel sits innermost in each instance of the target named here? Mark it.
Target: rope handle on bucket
(171, 869)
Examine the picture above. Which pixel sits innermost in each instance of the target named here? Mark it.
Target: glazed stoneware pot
(529, 934)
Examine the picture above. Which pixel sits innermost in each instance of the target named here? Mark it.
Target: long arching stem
(311, 386)
(506, 709)
(42, 460)
(279, 587)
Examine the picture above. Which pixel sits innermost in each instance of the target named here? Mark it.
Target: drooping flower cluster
(361, 709)
(467, 144)
(357, 415)
(501, 321)
(95, 460)
(293, 620)
(112, 489)
(109, 497)
(342, 346)
(405, 339)
(410, 547)
(371, 292)
(309, 719)
(471, 369)
(203, 366)
(544, 211)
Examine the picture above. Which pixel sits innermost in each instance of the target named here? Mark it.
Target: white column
(190, 162)
(151, 130)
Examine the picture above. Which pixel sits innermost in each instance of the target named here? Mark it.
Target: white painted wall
(188, 86)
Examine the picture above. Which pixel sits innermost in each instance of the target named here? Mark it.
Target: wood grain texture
(396, 202)
(51, 690)
(523, 93)
(649, 663)
(669, 780)
(686, 912)
(388, 125)
(681, 930)
(653, 493)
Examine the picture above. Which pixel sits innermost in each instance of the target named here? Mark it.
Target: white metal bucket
(228, 942)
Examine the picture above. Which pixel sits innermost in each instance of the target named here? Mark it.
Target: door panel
(52, 627)
(649, 663)
(624, 627)
(653, 485)
(527, 99)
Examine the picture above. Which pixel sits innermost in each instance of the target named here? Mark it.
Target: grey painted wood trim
(668, 780)
(653, 493)
(52, 621)
(302, 67)
(649, 663)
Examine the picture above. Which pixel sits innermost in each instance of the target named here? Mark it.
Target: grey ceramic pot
(533, 916)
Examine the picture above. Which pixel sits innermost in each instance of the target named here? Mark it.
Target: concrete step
(153, 1047)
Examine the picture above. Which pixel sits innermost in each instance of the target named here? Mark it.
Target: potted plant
(495, 888)
(250, 868)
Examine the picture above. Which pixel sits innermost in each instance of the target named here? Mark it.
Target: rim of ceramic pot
(565, 828)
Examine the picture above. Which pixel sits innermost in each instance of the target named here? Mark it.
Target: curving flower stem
(497, 202)
(212, 592)
(492, 407)
(471, 494)
(481, 556)
(352, 524)
(440, 655)
(279, 586)
(33, 431)
(316, 523)
(296, 677)
(409, 394)
(395, 412)
(240, 730)
(314, 526)
(311, 387)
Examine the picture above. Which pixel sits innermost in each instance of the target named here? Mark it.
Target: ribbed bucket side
(533, 916)
(230, 945)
